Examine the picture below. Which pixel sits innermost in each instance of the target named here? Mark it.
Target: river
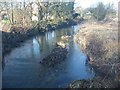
(23, 70)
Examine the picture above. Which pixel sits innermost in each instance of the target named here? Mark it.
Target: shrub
(98, 12)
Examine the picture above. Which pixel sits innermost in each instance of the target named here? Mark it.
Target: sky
(88, 3)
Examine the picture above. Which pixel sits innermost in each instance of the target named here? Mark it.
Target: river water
(23, 70)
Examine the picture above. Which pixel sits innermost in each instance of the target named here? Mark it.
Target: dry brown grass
(100, 43)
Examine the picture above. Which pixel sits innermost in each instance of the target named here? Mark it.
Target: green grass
(5, 21)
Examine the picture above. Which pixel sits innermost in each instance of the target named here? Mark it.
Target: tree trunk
(24, 12)
(31, 12)
(12, 15)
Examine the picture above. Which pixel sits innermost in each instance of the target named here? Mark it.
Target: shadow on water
(23, 70)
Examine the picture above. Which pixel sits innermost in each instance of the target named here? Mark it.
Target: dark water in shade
(23, 70)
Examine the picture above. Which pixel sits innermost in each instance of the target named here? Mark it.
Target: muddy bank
(92, 83)
(57, 55)
(16, 35)
(100, 43)
(13, 39)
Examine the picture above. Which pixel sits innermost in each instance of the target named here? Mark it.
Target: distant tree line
(100, 11)
(27, 12)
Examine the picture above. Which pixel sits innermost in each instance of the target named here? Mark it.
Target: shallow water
(23, 70)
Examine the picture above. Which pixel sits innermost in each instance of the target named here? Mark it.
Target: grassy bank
(100, 42)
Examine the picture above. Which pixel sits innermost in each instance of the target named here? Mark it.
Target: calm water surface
(23, 70)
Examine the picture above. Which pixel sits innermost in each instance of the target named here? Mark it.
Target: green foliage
(5, 21)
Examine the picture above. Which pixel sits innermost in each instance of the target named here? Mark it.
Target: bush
(98, 12)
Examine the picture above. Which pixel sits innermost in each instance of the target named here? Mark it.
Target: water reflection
(23, 63)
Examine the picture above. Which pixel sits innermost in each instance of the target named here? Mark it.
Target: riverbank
(13, 37)
(100, 42)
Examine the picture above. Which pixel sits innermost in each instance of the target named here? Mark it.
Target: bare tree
(12, 15)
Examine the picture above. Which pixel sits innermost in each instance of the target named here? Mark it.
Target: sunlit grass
(100, 43)
(5, 21)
